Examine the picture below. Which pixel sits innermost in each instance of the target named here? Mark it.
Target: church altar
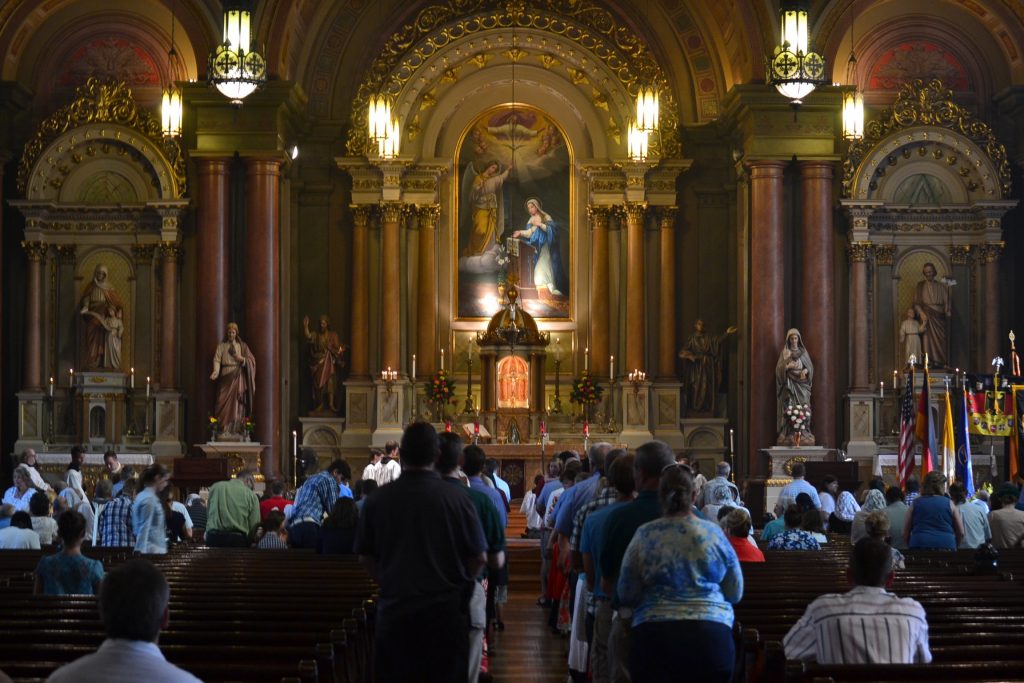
(239, 454)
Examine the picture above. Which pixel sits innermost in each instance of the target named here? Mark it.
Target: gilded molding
(960, 254)
(885, 254)
(599, 216)
(391, 212)
(921, 103)
(859, 251)
(98, 103)
(171, 250)
(427, 216)
(634, 212)
(360, 215)
(36, 251)
(667, 217)
(990, 251)
(589, 25)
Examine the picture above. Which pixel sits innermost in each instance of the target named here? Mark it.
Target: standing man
(425, 562)
(375, 469)
(233, 513)
(390, 468)
(114, 468)
(491, 467)
(721, 481)
(148, 518)
(312, 503)
(276, 501)
(789, 492)
(77, 458)
(114, 528)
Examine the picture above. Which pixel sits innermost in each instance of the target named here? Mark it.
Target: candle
(611, 367)
(295, 444)
(448, 425)
(71, 377)
(895, 378)
(925, 360)
(147, 386)
(476, 427)
(586, 359)
(586, 428)
(442, 359)
(732, 446)
(414, 367)
(51, 387)
(131, 379)
(881, 390)
(543, 428)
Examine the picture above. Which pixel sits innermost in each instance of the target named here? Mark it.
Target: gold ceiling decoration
(930, 103)
(98, 102)
(590, 26)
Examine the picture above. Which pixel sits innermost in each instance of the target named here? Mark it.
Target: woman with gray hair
(681, 576)
(20, 494)
(933, 522)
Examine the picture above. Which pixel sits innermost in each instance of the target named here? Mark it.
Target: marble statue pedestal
(779, 467)
(704, 441)
(239, 454)
(862, 418)
(636, 414)
(168, 425)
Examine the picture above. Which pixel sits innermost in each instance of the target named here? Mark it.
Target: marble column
(169, 316)
(360, 293)
(391, 286)
(667, 295)
(859, 253)
(767, 304)
(426, 315)
(993, 341)
(600, 324)
(33, 367)
(817, 305)
(262, 301)
(211, 279)
(635, 288)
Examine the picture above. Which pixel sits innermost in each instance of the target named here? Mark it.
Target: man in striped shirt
(868, 624)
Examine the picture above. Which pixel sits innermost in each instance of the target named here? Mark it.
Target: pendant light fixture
(794, 69)
(853, 100)
(235, 69)
(171, 108)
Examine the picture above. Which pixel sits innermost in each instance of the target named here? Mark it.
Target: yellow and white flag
(948, 444)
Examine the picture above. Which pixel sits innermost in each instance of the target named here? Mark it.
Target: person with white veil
(542, 233)
(794, 374)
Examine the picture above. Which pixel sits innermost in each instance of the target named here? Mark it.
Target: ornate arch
(584, 44)
(103, 122)
(925, 120)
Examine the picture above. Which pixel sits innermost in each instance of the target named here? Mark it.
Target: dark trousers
(432, 647)
(226, 539)
(304, 535)
(660, 650)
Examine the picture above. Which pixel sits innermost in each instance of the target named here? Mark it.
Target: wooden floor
(527, 650)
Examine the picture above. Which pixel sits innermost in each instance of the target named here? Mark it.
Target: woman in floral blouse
(680, 576)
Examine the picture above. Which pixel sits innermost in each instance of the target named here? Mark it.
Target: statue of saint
(234, 370)
(931, 300)
(702, 369)
(794, 374)
(325, 360)
(102, 311)
(912, 329)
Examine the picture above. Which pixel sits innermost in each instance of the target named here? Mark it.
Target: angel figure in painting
(484, 191)
(542, 233)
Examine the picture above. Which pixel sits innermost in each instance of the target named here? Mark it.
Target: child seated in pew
(272, 535)
(69, 572)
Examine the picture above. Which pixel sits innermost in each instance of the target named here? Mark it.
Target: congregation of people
(641, 556)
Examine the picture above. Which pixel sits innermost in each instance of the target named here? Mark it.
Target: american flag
(908, 416)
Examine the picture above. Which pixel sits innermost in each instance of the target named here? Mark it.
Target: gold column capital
(66, 254)
(859, 251)
(634, 212)
(991, 251)
(428, 215)
(171, 250)
(599, 216)
(667, 217)
(885, 254)
(36, 251)
(392, 212)
(960, 254)
(143, 253)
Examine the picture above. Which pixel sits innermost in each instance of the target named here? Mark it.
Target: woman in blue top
(681, 576)
(69, 572)
(933, 522)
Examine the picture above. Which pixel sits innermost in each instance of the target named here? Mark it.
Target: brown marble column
(600, 290)
(817, 304)
(667, 294)
(360, 292)
(33, 367)
(767, 304)
(993, 339)
(635, 288)
(169, 316)
(859, 253)
(391, 286)
(211, 279)
(426, 315)
(262, 301)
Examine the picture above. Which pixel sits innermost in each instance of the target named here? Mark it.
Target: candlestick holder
(49, 403)
(470, 407)
(146, 438)
(389, 377)
(556, 402)
(636, 378)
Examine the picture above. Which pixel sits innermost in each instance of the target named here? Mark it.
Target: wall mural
(514, 214)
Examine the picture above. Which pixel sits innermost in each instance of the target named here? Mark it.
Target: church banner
(990, 408)
(514, 220)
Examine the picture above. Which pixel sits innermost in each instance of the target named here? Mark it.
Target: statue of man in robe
(932, 298)
(325, 362)
(234, 370)
(702, 371)
(102, 312)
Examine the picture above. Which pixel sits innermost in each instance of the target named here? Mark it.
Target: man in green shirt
(233, 512)
(494, 533)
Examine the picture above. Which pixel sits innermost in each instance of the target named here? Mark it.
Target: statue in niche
(794, 374)
(325, 363)
(931, 300)
(234, 370)
(102, 311)
(702, 369)
(912, 329)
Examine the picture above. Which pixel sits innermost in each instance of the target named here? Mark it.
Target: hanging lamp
(171, 107)
(235, 69)
(794, 69)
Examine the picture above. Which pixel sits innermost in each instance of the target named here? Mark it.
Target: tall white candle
(295, 443)
(71, 377)
(586, 358)
(881, 390)
(147, 386)
(414, 367)
(442, 359)
(611, 367)
(732, 445)
(131, 379)
(51, 387)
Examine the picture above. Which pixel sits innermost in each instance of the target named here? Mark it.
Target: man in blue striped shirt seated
(868, 624)
(313, 500)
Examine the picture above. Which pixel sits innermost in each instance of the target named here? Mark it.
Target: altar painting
(514, 221)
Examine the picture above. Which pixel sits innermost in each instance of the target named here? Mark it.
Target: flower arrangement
(441, 388)
(248, 425)
(585, 390)
(214, 425)
(798, 415)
